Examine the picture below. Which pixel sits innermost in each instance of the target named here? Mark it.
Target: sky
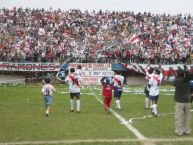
(155, 6)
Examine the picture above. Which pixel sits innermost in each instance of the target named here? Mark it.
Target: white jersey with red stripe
(73, 87)
(119, 78)
(48, 90)
(154, 84)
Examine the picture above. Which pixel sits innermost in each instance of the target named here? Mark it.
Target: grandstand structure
(41, 41)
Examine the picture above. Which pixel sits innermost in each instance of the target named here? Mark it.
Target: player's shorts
(154, 97)
(75, 94)
(48, 100)
(118, 92)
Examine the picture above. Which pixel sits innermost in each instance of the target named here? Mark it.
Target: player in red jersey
(107, 92)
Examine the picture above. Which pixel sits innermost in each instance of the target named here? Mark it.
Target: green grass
(22, 117)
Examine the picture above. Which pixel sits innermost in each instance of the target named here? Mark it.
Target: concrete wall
(11, 79)
(140, 80)
(136, 80)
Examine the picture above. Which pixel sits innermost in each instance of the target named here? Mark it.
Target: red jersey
(107, 90)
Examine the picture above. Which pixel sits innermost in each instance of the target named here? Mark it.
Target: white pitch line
(70, 141)
(150, 116)
(180, 139)
(124, 122)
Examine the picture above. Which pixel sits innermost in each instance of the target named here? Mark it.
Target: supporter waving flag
(133, 39)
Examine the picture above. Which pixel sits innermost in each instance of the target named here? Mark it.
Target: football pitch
(22, 119)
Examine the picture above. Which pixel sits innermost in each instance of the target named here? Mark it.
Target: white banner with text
(93, 72)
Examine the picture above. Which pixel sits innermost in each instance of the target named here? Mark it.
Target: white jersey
(48, 90)
(78, 72)
(154, 83)
(74, 83)
(117, 79)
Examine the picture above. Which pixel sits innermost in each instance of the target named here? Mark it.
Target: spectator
(182, 97)
(59, 33)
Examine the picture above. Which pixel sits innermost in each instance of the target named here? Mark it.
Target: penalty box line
(150, 116)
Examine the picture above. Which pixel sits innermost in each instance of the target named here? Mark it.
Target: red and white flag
(133, 39)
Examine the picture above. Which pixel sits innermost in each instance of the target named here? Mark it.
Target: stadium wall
(11, 79)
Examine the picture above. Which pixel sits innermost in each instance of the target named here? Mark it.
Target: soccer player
(47, 92)
(107, 92)
(49, 76)
(78, 71)
(74, 81)
(154, 84)
(118, 80)
(149, 74)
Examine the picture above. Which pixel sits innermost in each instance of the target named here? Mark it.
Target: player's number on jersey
(47, 92)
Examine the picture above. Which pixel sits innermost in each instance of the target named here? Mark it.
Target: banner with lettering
(93, 72)
(30, 67)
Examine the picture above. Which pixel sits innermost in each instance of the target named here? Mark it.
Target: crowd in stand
(38, 35)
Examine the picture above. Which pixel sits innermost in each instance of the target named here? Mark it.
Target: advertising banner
(9, 66)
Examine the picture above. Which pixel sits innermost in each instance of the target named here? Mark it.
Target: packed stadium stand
(38, 35)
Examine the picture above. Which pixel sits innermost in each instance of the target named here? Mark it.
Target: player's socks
(47, 113)
(78, 105)
(146, 103)
(154, 107)
(151, 105)
(71, 104)
(119, 104)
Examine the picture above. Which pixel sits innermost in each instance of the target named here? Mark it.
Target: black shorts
(75, 94)
(118, 92)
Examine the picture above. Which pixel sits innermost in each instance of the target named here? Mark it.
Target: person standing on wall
(182, 97)
(118, 80)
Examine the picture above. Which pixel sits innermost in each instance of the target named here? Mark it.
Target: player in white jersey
(47, 92)
(79, 70)
(118, 81)
(154, 84)
(148, 73)
(74, 89)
